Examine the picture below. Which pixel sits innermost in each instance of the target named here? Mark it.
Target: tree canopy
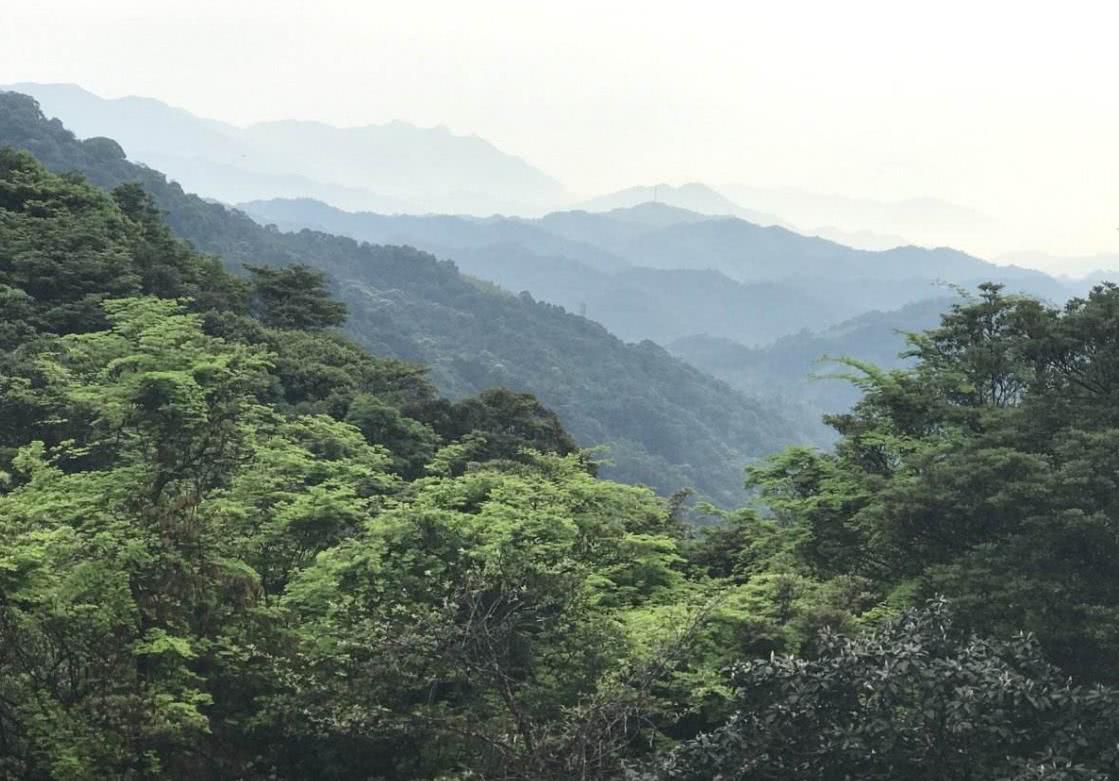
(236, 545)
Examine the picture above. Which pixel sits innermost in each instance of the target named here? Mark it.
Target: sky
(1010, 108)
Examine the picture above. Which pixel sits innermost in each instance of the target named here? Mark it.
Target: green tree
(483, 625)
(985, 472)
(916, 699)
(294, 297)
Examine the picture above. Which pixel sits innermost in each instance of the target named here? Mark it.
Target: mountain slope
(750, 252)
(926, 221)
(434, 233)
(567, 258)
(417, 169)
(668, 424)
(796, 366)
(659, 272)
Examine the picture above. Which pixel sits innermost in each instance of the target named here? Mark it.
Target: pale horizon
(1005, 111)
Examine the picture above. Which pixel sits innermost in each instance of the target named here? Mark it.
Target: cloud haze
(1009, 109)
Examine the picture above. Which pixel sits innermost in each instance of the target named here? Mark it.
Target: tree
(915, 699)
(985, 472)
(138, 558)
(483, 625)
(294, 297)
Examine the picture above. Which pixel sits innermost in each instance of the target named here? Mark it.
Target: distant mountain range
(867, 223)
(395, 167)
(654, 271)
(398, 168)
(1084, 270)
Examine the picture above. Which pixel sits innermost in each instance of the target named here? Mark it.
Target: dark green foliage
(985, 472)
(293, 297)
(411, 443)
(510, 422)
(68, 247)
(915, 700)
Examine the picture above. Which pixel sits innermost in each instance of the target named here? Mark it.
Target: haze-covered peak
(693, 196)
(1082, 268)
(395, 166)
(656, 214)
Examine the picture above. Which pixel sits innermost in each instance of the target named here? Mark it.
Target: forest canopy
(236, 545)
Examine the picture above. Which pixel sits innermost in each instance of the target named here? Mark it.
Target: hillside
(391, 167)
(659, 272)
(797, 366)
(668, 424)
(235, 545)
(750, 252)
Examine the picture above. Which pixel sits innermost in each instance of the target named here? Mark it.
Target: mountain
(694, 196)
(569, 258)
(750, 252)
(860, 280)
(659, 272)
(929, 222)
(667, 424)
(796, 366)
(394, 167)
(434, 233)
(859, 239)
(1085, 269)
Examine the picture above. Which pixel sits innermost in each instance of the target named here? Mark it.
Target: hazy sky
(1011, 108)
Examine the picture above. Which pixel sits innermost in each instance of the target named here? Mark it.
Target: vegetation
(916, 700)
(235, 545)
(470, 335)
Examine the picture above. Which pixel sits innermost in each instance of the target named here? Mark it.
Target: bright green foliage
(486, 615)
(174, 482)
(233, 545)
(120, 573)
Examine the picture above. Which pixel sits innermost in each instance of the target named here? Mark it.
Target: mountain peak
(395, 165)
(694, 197)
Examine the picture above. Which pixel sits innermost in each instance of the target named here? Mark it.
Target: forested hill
(667, 424)
(234, 545)
(805, 365)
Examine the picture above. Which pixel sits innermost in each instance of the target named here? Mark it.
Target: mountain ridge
(585, 261)
(387, 163)
(668, 424)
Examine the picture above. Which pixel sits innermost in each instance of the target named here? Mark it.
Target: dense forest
(240, 538)
(470, 335)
